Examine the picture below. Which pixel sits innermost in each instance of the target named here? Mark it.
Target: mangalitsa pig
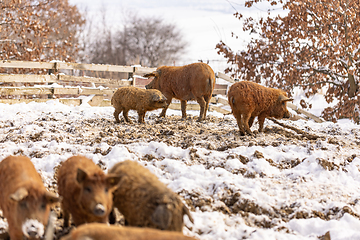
(133, 98)
(100, 231)
(86, 191)
(145, 201)
(24, 200)
(194, 81)
(249, 100)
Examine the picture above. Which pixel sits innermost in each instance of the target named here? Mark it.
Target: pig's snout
(99, 210)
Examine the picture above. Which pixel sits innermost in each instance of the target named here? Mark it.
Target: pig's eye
(87, 189)
(43, 206)
(23, 204)
(106, 190)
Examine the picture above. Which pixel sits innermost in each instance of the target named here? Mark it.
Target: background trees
(39, 30)
(315, 44)
(147, 41)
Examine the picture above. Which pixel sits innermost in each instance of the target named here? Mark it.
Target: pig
(24, 200)
(99, 231)
(145, 201)
(195, 81)
(133, 98)
(86, 191)
(249, 100)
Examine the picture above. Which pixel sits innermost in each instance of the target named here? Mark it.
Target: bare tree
(146, 41)
(152, 42)
(316, 44)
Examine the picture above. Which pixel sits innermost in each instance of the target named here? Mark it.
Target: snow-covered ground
(275, 185)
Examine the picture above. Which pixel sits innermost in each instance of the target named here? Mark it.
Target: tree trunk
(353, 86)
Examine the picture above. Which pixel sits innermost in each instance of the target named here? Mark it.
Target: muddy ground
(214, 134)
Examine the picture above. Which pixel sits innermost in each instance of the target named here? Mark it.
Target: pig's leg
(239, 121)
(66, 218)
(261, 120)
(141, 116)
(125, 113)
(116, 114)
(251, 121)
(183, 109)
(245, 121)
(168, 101)
(207, 101)
(202, 104)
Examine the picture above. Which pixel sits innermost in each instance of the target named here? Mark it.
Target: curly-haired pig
(24, 200)
(86, 191)
(133, 98)
(194, 81)
(145, 201)
(249, 100)
(99, 231)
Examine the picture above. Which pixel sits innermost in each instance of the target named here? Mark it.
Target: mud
(215, 134)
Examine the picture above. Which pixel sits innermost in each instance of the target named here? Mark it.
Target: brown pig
(249, 100)
(98, 231)
(195, 81)
(23, 198)
(145, 201)
(86, 191)
(133, 98)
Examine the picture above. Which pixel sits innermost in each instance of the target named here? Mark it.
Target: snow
(268, 184)
(294, 189)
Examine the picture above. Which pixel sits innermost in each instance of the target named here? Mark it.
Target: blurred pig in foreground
(86, 191)
(24, 200)
(145, 201)
(98, 231)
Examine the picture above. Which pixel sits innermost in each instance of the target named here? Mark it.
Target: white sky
(203, 22)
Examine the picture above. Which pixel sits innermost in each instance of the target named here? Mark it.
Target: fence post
(131, 75)
(54, 71)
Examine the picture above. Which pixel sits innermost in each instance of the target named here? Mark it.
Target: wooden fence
(71, 89)
(76, 90)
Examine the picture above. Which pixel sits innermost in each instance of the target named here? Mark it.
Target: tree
(146, 41)
(152, 42)
(315, 44)
(40, 30)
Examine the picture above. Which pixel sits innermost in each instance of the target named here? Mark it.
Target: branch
(313, 84)
(299, 131)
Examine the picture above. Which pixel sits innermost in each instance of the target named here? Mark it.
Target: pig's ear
(156, 98)
(81, 175)
(162, 216)
(51, 197)
(19, 195)
(112, 180)
(283, 98)
(153, 74)
(149, 75)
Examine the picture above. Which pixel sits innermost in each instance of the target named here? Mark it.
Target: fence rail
(74, 66)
